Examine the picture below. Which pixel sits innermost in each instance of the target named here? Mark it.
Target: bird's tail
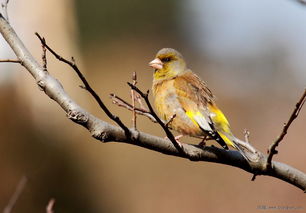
(245, 148)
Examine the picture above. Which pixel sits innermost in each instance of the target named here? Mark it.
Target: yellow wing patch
(198, 119)
(221, 124)
(226, 139)
(191, 115)
(219, 118)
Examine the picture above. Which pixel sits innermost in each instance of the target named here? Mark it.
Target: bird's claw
(202, 143)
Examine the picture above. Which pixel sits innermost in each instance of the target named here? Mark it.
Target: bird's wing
(196, 88)
(194, 97)
(198, 103)
(221, 124)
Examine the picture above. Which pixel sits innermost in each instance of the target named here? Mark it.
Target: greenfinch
(182, 97)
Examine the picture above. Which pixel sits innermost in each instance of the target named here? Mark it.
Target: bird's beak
(156, 64)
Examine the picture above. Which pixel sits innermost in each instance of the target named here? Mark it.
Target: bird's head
(167, 64)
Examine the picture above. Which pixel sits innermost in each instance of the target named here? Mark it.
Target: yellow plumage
(179, 91)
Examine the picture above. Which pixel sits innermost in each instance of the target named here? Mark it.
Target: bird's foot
(203, 142)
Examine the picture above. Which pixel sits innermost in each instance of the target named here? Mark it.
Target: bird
(186, 102)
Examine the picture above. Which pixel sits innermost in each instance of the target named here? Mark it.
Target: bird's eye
(167, 59)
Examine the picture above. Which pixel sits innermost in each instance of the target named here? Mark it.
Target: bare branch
(20, 186)
(10, 61)
(106, 132)
(4, 8)
(272, 149)
(122, 103)
(302, 2)
(170, 120)
(138, 98)
(44, 54)
(73, 65)
(134, 78)
(246, 135)
(49, 208)
(247, 140)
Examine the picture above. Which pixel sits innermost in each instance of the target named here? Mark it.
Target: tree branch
(122, 103)
(10, 61)
(134, 78)
(49, 207)
(73, 65)
(44, 54)
(272, 149)
(106, 132)
(303, 2)
(4, 8)
(19, 189)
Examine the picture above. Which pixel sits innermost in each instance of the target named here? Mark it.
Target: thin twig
(122, 103)
(20, 186)
(44, 54)
(10, 61)
(138, 98)
(4, 8)
(272, 149)
(302, 2)
(134, 78)
(170, 120)
(49, 207)
(253, 177)
(169, 134)
(247, 135)
(73, 65)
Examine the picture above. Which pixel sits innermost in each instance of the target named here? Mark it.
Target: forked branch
(87, 86)
(272, 149)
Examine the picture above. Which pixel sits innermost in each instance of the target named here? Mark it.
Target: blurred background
(251, 54)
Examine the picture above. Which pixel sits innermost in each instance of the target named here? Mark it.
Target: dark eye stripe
(167, 59)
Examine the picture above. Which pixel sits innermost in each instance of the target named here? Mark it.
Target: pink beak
(156, 64)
